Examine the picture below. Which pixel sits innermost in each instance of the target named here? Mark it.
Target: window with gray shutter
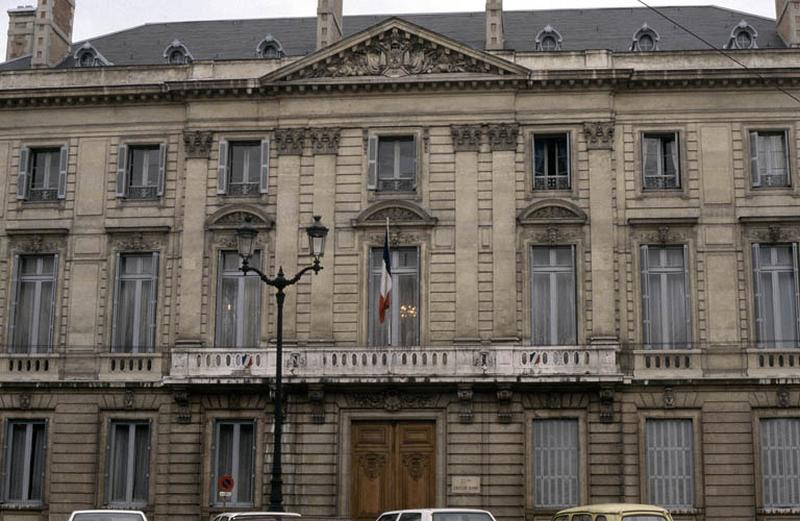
(396, 163)
(238, 302)
(401, 323)
(145, 170)
(665, 297)
(551, 162)
(24, 467)
(769, 159)
(234, 454)
(777, 294)
(33, 304)
(244, 168)
(135, 299)
(129, 464)
(556, 450)
(669, 462)
(553, 295)
(45, 171)
(780, 462)
(660, 161)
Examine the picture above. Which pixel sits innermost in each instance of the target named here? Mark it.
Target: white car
(107, 515)
(437, 514)
(257, 516)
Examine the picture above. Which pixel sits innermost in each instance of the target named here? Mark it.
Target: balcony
(406, 364)
(76, 365)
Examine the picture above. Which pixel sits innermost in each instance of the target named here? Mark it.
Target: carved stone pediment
(552, 211)
(231, 217)
(395, 48)
(400, 213)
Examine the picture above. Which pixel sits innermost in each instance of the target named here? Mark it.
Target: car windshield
(461, 516)
(107, 516)
(644, 517)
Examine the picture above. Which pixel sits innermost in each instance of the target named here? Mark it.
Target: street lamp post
(246, 235)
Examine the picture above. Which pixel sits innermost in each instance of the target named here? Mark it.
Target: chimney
(52, 32)
(329, 22)
(20, 31)
(495, 41)
(787, 18)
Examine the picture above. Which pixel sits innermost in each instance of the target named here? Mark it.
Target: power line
(714, 47)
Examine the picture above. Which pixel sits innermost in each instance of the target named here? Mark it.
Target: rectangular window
(33, 304)
(555, 463)
(670, 464)
(135, 299)
(42, 173)
(665, 297)
(780, 462)
(235, 451)
(392, 163)
(660, 161)
(145, 172)
(238, 303)
(777, 295)
(551, 162)
(553, 297)
(401, 324)
(769, 159)
(26, 442)
(128, 463)
(243, 167)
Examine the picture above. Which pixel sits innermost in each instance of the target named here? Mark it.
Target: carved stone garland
(37, 244)
(290, 141)
(503, 137)
(325, 140)
(197, 144)
(599, 135)
(466, 138)
(136, 241)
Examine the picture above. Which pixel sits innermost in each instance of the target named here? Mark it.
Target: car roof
(435, 510)
(240, 515)
(107, 511)
(614, 508)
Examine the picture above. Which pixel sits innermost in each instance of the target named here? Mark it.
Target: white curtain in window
(236, 457)
(776, 287)
(665, 297)
(670, 467)
(553, 299)
(34, 304)
(401, 324)
(135, 302)
(555, 463)
(25, 461)
(238, 303)
(129, 463)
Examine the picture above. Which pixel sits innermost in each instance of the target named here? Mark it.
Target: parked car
(256, 516)
(107, 515)
(437, 514)
(614, 512)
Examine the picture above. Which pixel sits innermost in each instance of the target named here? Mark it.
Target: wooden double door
(393, 467)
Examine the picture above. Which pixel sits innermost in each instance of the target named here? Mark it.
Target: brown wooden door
(393, 467)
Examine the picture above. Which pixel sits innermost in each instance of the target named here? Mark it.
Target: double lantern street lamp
(246, 238)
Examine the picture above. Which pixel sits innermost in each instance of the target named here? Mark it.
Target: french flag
(386, 277)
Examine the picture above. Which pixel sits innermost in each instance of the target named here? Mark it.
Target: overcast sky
(98, 17)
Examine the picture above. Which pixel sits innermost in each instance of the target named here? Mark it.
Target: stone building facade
(594, 250)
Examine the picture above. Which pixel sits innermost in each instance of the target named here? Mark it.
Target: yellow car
(614, 512)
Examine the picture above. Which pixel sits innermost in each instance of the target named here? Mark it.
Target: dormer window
(645, 40)
(270, 48)
(88, 56)
(548, 39)
(177, 54)
(743, 36)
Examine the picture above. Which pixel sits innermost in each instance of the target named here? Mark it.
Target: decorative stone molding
(504, 396)
(25, 401)
(552, 212)
(466, 138)
(234, 401)
(599, 135)
(316, 397)
(325, 140)
(372, 464)
(783, 398)
(129, 400)
(553, 401)
(231, 217)
(503, 137)
(669, 398)
(464, 393)
(197, 144)
(606, 404)
(136, 241)
(393, 400)
(290, 141)
(184, 407)
(416, 464)
(400, 213)
(37, 243)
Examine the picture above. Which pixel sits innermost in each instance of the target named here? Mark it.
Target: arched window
(548, 39)
(270, 48)
(88, 56)
(743, 36)
(645, 39)
(176, 53)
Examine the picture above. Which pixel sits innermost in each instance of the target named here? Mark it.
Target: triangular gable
(395, 49)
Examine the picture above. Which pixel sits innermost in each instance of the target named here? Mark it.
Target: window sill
(34, 507)
(657, 194)
(374, 195)
(27, 203)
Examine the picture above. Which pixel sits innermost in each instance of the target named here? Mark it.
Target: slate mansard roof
(581, 29)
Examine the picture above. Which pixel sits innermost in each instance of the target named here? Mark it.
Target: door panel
(393, 467)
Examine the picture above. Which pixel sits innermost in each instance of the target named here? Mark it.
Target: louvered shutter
(63, 166)
(222, 168)
(151, 308)
(555, 453)
(162, 169)
(669, 462)
(264, 178)
(673, 158)
(115, 342)
(43, 477)
(122, 170)
(23, 177)
(568, 162)
(416, 162)
(687, 295)
(372, 160)
(759, 293)
(6, 461)
(795, 265)
(755, 171)
(54, 308)
(109, 460)
(12, 315)
(644, 269)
